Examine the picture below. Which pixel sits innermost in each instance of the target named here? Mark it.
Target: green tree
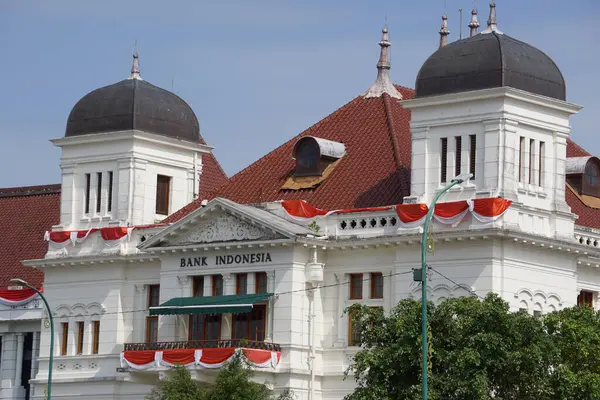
(178, 386)
(479, 351)
(232, 383)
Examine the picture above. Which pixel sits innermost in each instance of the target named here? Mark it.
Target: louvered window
(472, 155)
(88, 184)
(444, 160)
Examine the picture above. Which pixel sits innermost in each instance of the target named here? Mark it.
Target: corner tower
(496, 107)
(131, 155)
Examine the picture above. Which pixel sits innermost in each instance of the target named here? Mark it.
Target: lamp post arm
(51, 358)
(424, 346)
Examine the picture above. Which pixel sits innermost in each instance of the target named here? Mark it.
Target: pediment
(224, 221)
(222, 228)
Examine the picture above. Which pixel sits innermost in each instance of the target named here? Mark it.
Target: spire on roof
(135, 67)
(444, 31)
(383, 83)
(492, 22)
(474, 24)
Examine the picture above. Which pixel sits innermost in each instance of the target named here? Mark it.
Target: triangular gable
(223, 221)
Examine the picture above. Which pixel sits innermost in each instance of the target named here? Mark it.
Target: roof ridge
(30, 190)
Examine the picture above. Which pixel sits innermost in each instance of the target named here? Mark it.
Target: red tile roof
(25, 214)
(588, 216)
(375, 171)
(212, 176)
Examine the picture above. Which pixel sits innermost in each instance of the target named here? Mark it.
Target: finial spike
(444, 31)
(383, 83)
(474, 24)
(135, 67)
(492, 23)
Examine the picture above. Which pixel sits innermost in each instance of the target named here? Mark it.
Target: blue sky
(255, 72)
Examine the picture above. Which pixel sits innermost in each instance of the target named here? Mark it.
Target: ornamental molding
(225, 228)
(79, 309)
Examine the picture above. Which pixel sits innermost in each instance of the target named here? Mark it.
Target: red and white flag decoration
(452, 213)
(112, 235)
(410, 215)
(206, 358)
(18, 297)
(301, 212)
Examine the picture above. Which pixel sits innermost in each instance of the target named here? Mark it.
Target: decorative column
(251, 283)
(35, 354)
(270, 289)
(342, 281)
(207, 291)
(228, 289)
(19, 361)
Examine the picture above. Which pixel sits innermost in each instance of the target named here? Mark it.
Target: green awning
(210, 304)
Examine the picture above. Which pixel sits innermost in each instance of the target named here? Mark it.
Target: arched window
(591, 174)
(308, 157)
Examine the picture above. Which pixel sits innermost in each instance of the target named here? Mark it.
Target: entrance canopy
(210, 304)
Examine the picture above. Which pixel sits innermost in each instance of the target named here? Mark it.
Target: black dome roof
(134, 104)
(489, 60)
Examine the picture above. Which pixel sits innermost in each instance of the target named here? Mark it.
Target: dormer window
(315, 159)
(313, 155)
(583, 174)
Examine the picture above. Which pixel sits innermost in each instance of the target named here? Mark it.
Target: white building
(257, 269)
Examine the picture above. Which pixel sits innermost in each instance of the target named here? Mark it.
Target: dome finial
(383, 83)
(492, 22)
(444, 31)
(135, 67)
(474, 24)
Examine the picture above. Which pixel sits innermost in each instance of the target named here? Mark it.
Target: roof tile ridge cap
(133, 108)
(403, 87)
(218, 163)
(305, 132)
(579, 147)
(391, 130)
(502, 61)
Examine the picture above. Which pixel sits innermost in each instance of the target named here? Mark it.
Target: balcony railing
(204, 344)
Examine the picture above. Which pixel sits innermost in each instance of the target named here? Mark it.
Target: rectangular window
(542, 155)
(64, 338)
(250, 325)
(205, 327)
(377, 285)
(356, 286)
(585, 299)
(80, 337)
(151, 329)
(153, 295)
(353, 332)
(110, 191)
(99, 192)
(444, 160)
(152, 322)
(458, 156)
(163, 190)
(521, 158)
(217, 285)
(472, 155)
(261, 282)
(241, 284)
(95, 336)
(531, 161)
(88, 184)
(198, 286)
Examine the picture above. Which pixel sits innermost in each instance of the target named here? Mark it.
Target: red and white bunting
(410, 215)
(17, 297)
(207, 358)
(112, 235)
(301, 212)
(452, 213)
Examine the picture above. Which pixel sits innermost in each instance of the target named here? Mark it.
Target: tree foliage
(479, 350)
(232, 383)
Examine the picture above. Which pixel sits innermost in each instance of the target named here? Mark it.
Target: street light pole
(22, 282)
(423, 277)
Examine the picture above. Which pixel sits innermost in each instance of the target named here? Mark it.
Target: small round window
(591, 174)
